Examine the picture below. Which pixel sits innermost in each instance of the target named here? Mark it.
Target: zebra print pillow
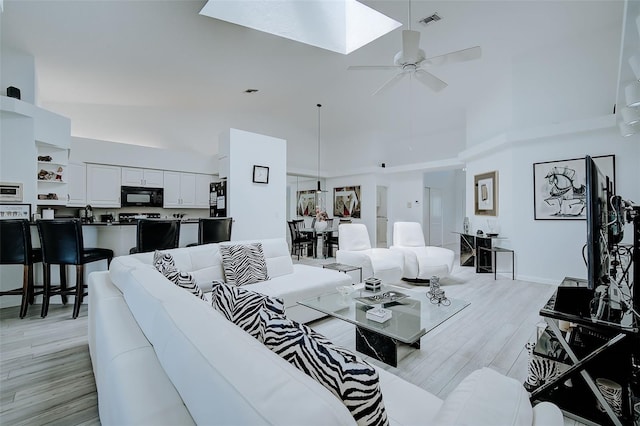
(243, 263)
(163, 261)
(165, 264)
(348, 377)
(242, 307)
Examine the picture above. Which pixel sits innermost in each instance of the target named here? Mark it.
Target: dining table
(318, 235)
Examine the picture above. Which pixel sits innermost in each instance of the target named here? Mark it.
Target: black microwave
(139, 196)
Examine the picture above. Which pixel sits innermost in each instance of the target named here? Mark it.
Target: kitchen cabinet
(180, 190)
(76, 185)
(103, 185)
(148, 178)
(203, 185)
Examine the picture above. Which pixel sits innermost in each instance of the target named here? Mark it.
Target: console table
(476, 250)
(603, 348)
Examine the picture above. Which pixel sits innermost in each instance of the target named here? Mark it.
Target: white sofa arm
(355, 258)
(546, 413)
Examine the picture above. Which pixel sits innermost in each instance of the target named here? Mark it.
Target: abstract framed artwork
(306, 205)
(346, 202)
(15, 211)
(486, 194)
(559, 191)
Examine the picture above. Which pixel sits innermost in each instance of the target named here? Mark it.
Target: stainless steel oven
(11, 192)
(138, 196)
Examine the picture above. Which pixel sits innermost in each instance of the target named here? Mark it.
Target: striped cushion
(243, 263)
(242, 307)
(166, 266)
(162, 261)
(348, 377)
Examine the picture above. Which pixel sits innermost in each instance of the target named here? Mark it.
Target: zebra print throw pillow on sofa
(165, 264)
(243, 263)
(242, 307)
(339, 370)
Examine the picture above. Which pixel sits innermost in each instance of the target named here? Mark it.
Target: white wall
(105, 152)
(18, 70)
(258, 210)
(452, 215)
(548, 250)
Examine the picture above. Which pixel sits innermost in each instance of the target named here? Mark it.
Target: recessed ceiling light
(251, 91)
(338, 25)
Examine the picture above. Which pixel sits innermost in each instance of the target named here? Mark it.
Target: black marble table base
(380, 347)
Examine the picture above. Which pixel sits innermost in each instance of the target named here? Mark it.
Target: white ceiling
(157, 73)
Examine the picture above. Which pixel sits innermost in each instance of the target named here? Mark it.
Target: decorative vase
(320, 225)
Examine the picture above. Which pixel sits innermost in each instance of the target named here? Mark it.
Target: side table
(343, 268)
(493, 252)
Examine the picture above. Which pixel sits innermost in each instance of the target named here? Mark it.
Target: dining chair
(156, 234)
(298, 239)
(16, 249)
(62, 244)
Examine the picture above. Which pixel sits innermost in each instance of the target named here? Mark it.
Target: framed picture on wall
(306, 203)
(486, 194)
(346, 202)
(559, 191)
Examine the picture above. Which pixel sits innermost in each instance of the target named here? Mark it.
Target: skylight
(341, 26)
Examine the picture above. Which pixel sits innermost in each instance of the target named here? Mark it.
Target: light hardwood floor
(46, 375)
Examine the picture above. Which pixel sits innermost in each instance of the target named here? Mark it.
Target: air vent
(251, 91)
(430, 19)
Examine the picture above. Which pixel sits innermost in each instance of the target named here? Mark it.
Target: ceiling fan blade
(410, 44)
(372, 67)
(390, 83)
(430, 80)
(458, 56)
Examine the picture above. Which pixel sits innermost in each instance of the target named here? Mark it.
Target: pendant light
(320, 194)
(319, 188)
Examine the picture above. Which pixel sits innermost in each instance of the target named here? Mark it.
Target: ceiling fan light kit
(632, 94)
(411, 60)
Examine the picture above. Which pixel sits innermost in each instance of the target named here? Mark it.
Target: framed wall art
(346, 202)
(486, 194)
(260, 174)
(559, 191)
(15, 211)
(306, 205)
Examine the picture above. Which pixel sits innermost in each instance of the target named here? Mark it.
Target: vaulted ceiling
(157, 73)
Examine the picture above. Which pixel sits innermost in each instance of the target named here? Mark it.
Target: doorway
(381, 217)
(433, 226)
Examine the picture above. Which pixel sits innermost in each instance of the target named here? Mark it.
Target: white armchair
(421, 262)
(354, 248)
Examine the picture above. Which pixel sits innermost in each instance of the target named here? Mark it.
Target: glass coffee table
(413, 316)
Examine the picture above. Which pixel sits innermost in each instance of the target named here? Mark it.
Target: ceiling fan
(411, 60)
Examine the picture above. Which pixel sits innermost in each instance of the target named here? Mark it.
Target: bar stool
(214, 230)
(156, 234)
(62, 244)
(16, 249)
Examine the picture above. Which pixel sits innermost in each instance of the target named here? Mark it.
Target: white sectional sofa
(164, 357)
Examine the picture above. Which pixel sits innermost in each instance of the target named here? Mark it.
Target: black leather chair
(214, 230)
(298, 239)
(330, 240)
(156, 234)
(62, 244)
(16, 249)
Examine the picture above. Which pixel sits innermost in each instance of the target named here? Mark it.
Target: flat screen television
(597, 196)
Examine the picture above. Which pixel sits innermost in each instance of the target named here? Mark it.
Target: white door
(381, 217)
(436, 228)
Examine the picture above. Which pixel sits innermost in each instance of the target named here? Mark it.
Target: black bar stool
(16, 249)
(214, 230)
(156, 234)
(62, 244)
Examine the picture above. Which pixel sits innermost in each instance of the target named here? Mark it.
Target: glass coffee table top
(412, 316)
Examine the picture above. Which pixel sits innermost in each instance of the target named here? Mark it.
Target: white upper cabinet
(203, 188)
(186, 190)
(76, 185)
(103, 185)
(148, 178)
